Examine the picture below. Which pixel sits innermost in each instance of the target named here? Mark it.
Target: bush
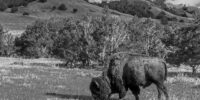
(25, 3)
(62, 7)
(185, 42)
(81, 40)
(133, 7)
(14, 9)
(43, 1)
(3, 6)
(74, 10)
(75, 44)
(25, 14)
(145, 37)
(7, 47)
(38, 39)
(53, 8)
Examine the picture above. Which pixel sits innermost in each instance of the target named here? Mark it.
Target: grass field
(15, 21)
(42, 79)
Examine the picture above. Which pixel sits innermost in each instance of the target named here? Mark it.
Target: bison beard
(100, 88)
(133, 72)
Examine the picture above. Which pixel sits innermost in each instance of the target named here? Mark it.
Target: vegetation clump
(14, 9)
(7, 47)
(62, 7)
(3, 6)
(74, 10)
(25, 13)
(42, 1)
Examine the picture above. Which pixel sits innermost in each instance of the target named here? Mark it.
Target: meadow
(83, 32)
(43, 79)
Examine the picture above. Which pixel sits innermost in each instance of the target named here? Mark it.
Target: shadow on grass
(40, 64)
(188, 74)
(196, 87)
(63, 65)
(70, 96)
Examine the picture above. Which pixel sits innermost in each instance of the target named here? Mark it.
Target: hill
(18, 15)
(18, 20)
(156, 9)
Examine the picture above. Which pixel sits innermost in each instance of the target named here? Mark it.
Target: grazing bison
(132, 72)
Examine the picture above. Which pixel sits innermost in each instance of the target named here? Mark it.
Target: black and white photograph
(99, 49)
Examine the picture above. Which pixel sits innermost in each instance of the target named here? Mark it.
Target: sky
(186, 2)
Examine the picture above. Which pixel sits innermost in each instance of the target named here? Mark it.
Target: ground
(43, 79)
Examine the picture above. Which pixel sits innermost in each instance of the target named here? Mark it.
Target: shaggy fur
(100, 88)
(131, 73)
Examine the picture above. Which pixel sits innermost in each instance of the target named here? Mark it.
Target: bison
(133, 72)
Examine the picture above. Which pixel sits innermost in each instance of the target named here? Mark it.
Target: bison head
(100, 88)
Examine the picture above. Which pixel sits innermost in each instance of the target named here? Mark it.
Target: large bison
(131, 73)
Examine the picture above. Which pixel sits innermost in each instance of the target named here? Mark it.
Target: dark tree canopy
(185, 42)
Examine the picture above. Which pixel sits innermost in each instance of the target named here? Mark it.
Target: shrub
(14, 9)
(25, 3)
(7, 47)
(38, 39)
(43, 1)
(53, 8)
(81, 40)
(133, 7)
(71, 43)
(25, 14)
(145, 37)
(62, 7)
(3, 6)
(74, 10)
(185, 42)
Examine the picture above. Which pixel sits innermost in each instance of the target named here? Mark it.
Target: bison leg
(120, 88)
(136, 91)
(165, 92)
(161, 87)
(159, 93)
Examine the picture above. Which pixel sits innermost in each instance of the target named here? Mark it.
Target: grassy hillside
(38, 10)
(155, 9)
(15, 21)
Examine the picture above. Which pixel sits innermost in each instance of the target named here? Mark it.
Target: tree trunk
(194, 70)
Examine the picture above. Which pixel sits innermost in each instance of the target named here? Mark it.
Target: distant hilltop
(100, 1)
(195, 3)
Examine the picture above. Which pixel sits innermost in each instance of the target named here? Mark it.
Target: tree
(160, 3)
(7, 47)
(185, 42)
(145, 37)
(38, 38)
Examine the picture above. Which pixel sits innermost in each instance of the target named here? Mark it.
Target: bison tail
(165, 65)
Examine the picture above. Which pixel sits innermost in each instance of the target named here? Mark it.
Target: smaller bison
(132, 73)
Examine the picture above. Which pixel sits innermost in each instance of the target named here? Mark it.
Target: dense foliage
(7, 47)
(89, 39)
(184, 42)
(62, 7)
(134, 7)
(38, 39)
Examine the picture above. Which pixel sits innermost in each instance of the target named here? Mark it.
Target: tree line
(85, 40)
